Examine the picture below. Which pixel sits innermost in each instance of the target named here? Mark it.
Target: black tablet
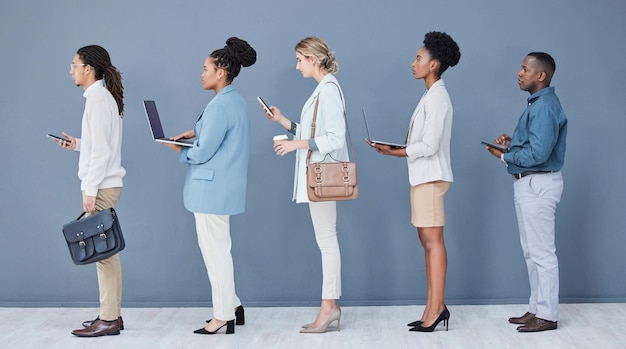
(500, 148)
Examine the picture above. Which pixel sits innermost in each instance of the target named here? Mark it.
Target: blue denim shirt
(538, 142)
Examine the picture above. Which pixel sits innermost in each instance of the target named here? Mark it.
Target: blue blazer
(218, 162)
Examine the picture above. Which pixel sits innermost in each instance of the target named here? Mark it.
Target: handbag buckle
(103, 236)
(82, 243)
(318, 174)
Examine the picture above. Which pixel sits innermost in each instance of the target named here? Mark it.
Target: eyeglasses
(73, 65)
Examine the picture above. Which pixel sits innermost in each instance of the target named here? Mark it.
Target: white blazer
(330, 130)
(428, 152)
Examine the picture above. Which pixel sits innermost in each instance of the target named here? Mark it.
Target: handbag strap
(317, 101)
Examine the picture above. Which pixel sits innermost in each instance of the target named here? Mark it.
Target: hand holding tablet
(500, 148)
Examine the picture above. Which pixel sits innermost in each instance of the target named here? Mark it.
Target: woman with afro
(430, 174)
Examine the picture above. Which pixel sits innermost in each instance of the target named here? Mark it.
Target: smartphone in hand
(265, 106)
(57, 138)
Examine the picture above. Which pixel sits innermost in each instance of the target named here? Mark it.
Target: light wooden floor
(471, 326)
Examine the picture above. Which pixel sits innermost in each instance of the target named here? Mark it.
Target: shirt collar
(543, 91)
(98, 83)
(437, 83)
(326, 79)
(227, 88)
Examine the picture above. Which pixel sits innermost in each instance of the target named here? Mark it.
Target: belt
(517, 176)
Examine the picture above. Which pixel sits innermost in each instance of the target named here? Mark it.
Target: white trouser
(536, 198)
(215, 244)
(324, 217)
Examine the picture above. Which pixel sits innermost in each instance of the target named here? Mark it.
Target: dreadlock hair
(443, 48)
(98, 58)
(233, 56)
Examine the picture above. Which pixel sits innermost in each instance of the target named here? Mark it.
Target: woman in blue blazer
(215, 184)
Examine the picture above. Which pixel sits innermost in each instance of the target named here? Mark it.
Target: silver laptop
(367, 129)
(157, 129)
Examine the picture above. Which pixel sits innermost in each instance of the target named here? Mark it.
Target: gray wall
(160, 47)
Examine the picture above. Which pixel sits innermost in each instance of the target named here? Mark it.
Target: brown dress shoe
(538, 325)
(89, 322)
(99, 328)
(522, 319)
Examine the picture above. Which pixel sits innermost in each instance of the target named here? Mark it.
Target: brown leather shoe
(89, 322)
(522, 319)
(99, 328)
(538, 325)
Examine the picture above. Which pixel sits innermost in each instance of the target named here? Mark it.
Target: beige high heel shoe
(335, 315)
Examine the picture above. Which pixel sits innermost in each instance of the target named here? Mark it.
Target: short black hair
(443, 48)
(545, 60)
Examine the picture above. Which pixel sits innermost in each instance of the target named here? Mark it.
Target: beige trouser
(110, 269)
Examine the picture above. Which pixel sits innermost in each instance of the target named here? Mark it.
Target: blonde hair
(315, 47)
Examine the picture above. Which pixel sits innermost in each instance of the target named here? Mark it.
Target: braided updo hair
(443, 48)
(233, 56)
(98, 58)
(315, 47)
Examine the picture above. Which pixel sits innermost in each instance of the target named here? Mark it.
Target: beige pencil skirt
(427, 204)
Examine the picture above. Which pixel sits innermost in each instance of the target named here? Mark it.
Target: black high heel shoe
(230, 328)
(415, 323)
(444, 316)
(240, 318)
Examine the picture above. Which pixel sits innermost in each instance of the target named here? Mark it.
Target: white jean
(536, 198)
(215, 244)
(324, 217)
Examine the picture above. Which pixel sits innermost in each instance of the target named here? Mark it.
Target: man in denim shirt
(535, 156)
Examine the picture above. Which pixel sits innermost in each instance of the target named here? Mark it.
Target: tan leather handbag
(331, 181)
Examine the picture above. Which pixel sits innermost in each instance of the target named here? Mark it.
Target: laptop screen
(153, 119)
(367, 129)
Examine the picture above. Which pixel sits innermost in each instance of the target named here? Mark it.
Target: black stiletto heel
(444, 316)
(230, 328)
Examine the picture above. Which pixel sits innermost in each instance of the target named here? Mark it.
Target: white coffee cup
(279, 138)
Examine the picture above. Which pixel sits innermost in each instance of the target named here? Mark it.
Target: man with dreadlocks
(100, 169)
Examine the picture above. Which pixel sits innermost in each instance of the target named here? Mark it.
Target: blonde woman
(315, 60)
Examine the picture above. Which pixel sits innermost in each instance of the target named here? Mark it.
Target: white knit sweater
(100, 145)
